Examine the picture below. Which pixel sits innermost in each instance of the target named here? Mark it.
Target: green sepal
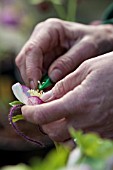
(45, 82)
(17, 118)
(14, 103)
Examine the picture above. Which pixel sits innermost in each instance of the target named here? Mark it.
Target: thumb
(68, 62)
(67, 84)
(45, 113)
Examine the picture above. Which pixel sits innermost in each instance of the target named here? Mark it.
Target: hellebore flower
(25, 96)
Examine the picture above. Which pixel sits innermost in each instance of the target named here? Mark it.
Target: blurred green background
(17, 21)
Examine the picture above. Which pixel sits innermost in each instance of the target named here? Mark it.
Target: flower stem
(71, 10)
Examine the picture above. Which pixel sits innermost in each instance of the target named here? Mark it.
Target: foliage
(17, 167)
(54, 160)
(95, 152)
(92, 145)
(65, 12)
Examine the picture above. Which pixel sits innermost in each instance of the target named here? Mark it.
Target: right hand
(59, 47)
(82, 100)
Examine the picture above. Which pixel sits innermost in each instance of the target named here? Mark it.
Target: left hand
(58, 47)
(84, 100)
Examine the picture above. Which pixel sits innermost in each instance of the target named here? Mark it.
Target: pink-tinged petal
(34, 100)
(25, 90)
(20, 92)
(25, 126)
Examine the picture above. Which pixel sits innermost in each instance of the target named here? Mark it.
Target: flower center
(35, 92)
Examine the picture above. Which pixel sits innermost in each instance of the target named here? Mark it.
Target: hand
(83, 100)
(59, 47)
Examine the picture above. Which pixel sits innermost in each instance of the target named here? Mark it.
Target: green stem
(56, 145)
(71, 10)
(108, 21)
(60, 11)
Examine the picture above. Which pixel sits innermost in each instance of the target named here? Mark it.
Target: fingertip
(46, 97)
(32, 84)
(27, 112)
(23, 109)
(56, 75)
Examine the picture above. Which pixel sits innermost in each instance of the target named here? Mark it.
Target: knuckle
(52, 21)
(19, 60)
(53, 24)
(65, 65)
(60, 64)
(29, 71)
(30, 46)
(59, 89)
(38, 26)
(90, 46)
(85, 65)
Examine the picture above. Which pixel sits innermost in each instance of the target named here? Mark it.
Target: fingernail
(32, 84)
(55, 75)
(47, 96)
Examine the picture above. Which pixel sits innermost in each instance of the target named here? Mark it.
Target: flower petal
(34, 100)
(20, 92)
(25, 90)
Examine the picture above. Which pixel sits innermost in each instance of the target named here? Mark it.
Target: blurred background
(17, 21)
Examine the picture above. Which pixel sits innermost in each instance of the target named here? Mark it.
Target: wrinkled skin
(86, 103)
(59, 47)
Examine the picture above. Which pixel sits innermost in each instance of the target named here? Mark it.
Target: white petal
(74, 157)
(19, 94)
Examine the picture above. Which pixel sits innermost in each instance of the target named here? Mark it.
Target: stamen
(35, 92)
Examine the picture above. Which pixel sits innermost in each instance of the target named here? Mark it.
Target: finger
(54, 110)
(34, 67)
(67, 84)
(23, 73)
(61, 108)
(45, 113)
(52, 55)
(72, 59)
(57, 131)
(45, 40)
(22, 57)
(29, 65)
(22, 67)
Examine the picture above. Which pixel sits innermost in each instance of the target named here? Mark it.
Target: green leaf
(17, 118)
(14, 103)
(71, 10)
(95, 164)
(20, 166)
(36, 1)
(92, 145)
(54, 160)
(58, 2)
